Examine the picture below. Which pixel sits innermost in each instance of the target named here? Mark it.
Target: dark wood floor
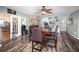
(66, 43)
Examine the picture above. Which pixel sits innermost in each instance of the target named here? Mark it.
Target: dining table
(47, 32)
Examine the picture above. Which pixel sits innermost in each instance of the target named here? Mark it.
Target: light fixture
(43, 12)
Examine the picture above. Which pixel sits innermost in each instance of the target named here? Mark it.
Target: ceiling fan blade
(49, 12)
(49, 9)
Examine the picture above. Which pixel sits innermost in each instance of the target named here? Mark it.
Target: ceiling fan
(44, 10)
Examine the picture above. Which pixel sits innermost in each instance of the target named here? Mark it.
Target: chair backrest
(30, 28)
(56, 32)
(36, 34)
(56, 29)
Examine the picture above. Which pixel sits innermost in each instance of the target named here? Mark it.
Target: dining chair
(53, 37)
(30, 31)
(37, 38)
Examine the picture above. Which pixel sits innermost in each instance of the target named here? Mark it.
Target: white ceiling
(58, 10)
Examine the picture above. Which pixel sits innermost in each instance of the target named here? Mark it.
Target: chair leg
(29, 39)
(45, 45)
(32, 47)
(56, 46)
(41, 47)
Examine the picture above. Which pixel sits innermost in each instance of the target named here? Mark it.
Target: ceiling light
(43, 12)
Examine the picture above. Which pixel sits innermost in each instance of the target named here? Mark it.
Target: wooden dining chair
(30, 31)
(37, 38)
(53, 37)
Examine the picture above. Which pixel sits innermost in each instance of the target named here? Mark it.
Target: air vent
(10, 11)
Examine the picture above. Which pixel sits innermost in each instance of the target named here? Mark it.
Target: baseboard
(73, 35)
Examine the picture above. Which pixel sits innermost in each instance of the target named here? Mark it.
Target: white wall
(19, 26)
(73, 28)
(62, 23)
(25, 19)
(3, 9)
(27, 22)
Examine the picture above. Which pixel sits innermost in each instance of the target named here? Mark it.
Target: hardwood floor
(15, 45)
(66, 43)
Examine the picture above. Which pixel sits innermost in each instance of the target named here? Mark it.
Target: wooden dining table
(46, 33)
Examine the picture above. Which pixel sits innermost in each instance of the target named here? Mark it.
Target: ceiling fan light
(43, 12)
